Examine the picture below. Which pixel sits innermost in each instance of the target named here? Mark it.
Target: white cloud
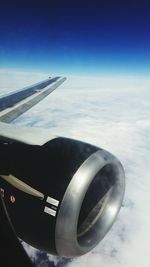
(113, 114)
(32, 252)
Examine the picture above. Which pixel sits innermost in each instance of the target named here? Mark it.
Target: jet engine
(62, 196)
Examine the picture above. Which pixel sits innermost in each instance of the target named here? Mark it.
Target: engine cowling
(82, 187)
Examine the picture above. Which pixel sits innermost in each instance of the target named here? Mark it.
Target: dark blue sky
(88, 38)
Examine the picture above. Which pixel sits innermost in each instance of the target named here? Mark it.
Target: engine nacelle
(81, 187)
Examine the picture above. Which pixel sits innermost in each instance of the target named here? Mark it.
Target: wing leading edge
(14, 104)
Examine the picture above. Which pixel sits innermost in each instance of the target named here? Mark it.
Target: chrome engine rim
(68, 241)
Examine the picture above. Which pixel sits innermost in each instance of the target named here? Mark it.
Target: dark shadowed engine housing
(83, 188)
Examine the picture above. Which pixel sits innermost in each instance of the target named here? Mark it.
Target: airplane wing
(14, 104)
(50, 169)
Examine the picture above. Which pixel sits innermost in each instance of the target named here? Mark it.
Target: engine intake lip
(68, 239)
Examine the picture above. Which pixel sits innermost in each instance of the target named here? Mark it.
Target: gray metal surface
(11, 99)
(68, 242)
(26, 99)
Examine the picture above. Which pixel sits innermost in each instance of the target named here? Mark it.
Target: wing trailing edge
(14, 104)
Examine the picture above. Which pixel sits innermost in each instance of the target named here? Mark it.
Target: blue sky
(80, 39)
